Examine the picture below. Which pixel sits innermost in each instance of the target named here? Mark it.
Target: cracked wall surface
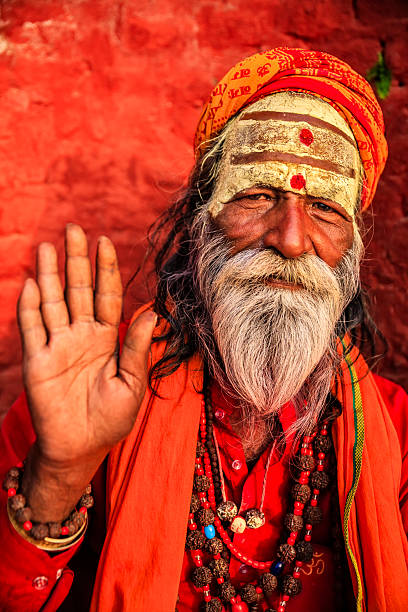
(98, 106)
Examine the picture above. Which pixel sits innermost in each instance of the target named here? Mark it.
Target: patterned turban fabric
(314, 72)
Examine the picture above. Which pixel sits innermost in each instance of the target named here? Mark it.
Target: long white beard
(275, 344)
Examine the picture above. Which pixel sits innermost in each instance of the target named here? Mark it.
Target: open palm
(83, 399)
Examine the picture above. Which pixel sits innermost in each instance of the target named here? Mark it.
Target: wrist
(52, 490)
(72, 471)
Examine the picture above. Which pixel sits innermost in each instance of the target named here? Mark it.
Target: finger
(133, 360)
(78, 275)
(53, 306)
(108, 292)
(33, 334)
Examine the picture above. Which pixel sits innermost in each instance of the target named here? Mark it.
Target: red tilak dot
(297, 181)
(11, 492)
(306, 137)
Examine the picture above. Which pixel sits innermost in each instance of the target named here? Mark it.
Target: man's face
(290, 223)
(288, 180)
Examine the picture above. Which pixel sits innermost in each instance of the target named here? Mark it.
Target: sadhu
(242, 455)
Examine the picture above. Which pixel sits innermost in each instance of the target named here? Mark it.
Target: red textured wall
(98, 105)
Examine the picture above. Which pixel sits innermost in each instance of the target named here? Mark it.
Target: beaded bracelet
(47, 536)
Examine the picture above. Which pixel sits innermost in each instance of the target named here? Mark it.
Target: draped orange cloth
(315, 72)
(150, 476)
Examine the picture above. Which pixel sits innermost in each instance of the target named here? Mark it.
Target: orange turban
(317, 73)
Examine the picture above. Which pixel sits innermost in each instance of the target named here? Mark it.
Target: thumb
(135, 352)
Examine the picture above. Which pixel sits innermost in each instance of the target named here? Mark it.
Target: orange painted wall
(98, 104)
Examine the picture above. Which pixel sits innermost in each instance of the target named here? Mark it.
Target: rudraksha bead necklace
(211, 515)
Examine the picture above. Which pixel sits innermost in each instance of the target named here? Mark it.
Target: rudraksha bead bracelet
(47, 536)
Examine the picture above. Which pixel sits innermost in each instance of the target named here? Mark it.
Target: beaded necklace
(211, 516)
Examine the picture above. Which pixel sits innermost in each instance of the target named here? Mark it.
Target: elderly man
(242, 455)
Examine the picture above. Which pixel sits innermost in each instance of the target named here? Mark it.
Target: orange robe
(149, 484)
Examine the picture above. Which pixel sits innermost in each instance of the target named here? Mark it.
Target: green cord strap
(357, 460)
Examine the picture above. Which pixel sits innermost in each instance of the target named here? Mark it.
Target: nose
(288, 229)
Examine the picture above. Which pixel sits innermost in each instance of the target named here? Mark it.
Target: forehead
(293, 142)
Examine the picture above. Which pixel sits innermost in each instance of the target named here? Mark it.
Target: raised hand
(82, 399)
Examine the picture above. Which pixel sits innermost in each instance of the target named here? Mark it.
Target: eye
(258, 201)
(257, 196)
(323, 207)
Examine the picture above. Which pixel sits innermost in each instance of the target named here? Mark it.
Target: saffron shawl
(150, 478)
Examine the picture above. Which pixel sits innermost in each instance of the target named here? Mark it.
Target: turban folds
(314, 72)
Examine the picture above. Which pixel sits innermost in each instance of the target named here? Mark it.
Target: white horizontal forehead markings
(320, 183)
(276, 136)
(303, 104)
(332, 144)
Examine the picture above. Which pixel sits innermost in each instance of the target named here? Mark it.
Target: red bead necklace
(205, 522)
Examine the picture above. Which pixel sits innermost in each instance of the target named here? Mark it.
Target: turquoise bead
(209, 532)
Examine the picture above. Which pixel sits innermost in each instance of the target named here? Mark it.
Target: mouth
(281, 284)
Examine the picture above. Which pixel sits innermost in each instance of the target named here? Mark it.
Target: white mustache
(254, 266)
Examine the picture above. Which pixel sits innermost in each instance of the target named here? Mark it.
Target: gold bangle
(50, 544)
